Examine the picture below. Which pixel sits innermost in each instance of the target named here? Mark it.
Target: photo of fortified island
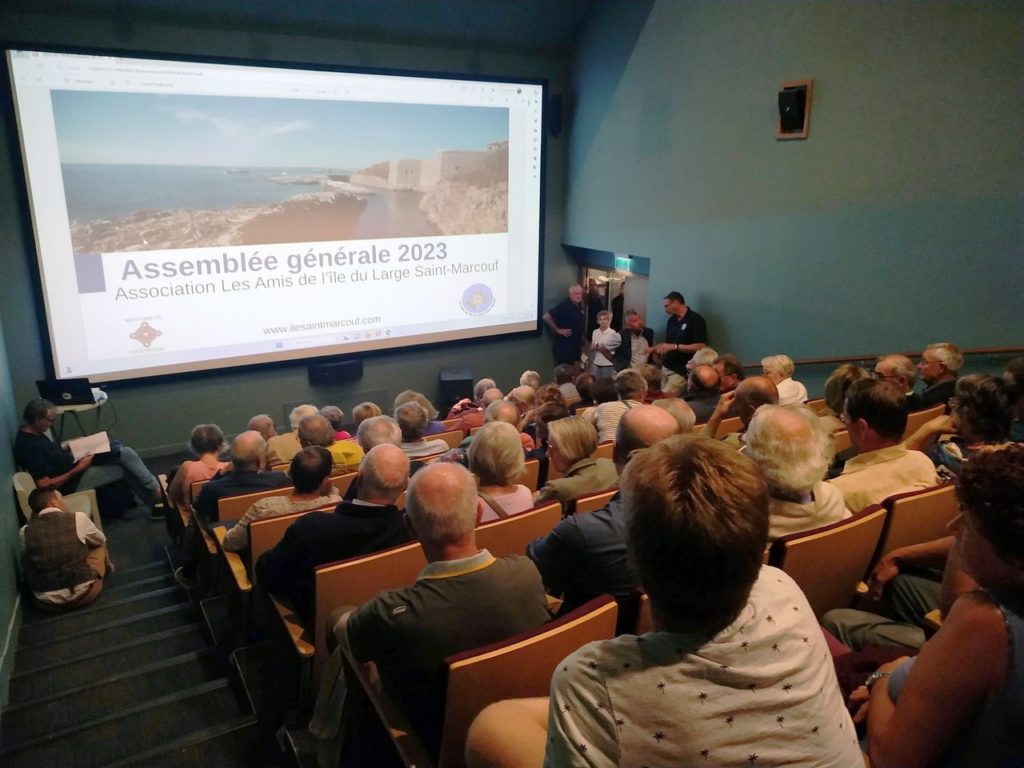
(391, 170)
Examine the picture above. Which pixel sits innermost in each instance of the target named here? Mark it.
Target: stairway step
(161, 580)
(44, 676)
(98, 638)
(131, 731)
(32, 719)
(100, 613)
(232, 743)
(124, 576)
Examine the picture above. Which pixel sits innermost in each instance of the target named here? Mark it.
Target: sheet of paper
(83, 446)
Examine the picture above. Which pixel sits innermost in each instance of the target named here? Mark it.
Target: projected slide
(191, 216)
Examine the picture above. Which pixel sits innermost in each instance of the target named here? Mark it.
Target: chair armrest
(234, 561)
(296, 630)
(862, 588)
(933, 619)
(366, 699)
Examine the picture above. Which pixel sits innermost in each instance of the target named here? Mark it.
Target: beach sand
(304, 221)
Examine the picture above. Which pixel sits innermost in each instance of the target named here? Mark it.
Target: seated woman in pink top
(206, 442)
(496, 458)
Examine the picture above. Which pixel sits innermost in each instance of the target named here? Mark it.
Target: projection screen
(196, 215)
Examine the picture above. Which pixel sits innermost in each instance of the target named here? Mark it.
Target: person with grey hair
(464, 598)
(503, 410)
(263, 424)
(793, 450)
(780, 369)
(899, 370)
(939, 367)
(317, 430)
(412, 420)
(496, 459)
(705, 356)
(470, 413)
(378, 430)
(680, 411)
(530, 379)
(248, 458)
(336, 416)
(368, 523)
(281, 448)
(630, 387)
(363, 411)
(411, 395)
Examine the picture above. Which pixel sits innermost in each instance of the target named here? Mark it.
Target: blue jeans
(129, 467)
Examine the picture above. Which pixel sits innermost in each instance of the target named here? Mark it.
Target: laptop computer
(66, 391)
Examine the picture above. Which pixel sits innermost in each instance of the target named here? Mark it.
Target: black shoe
(157, 511)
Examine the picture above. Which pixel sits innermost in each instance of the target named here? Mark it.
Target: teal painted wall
(9, 546)
(157, 417)
(897, 223)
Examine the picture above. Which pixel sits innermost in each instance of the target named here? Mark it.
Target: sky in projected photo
(158, 129)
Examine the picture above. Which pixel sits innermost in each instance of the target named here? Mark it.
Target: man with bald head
(702, 391)
(263, 424)
(463, 599)
(900, 371)
(248, 458)
(585, 555)
(743, 401)
(317, 430)
(368, 523)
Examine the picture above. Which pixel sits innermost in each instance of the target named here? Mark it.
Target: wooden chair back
(818, 406)
(233, 507)
(918, 516)
(604, 450)
(453, 437)
(572, 400)
(918, 418)
(644, 619)
(592, 502)
(511, 535)
(828, 563)
(516, 668)
(355, 581)
(731, 424)
(452, 424)
(343, 482)
(264, 534)
(196, 487)
(841, 440)
(585, 412)
(474, 430)
(531, 474)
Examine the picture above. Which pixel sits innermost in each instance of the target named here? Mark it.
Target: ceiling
(521, 25)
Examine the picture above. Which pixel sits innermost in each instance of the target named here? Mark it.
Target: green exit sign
(624, 263)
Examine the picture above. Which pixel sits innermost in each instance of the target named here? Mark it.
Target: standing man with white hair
(464, 598)
(939, 367)
(793, 450)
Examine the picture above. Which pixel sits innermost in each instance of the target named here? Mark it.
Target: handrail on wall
(858, 358)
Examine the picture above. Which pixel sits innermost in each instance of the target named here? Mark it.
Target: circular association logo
(477, 300)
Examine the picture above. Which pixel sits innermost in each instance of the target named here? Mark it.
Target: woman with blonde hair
(835, 393)
(496, 458)
(571, 441)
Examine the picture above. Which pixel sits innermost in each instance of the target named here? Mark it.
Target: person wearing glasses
(979, 417)
(899, 370)
(939, 367)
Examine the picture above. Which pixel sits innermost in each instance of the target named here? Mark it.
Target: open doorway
(616, 291)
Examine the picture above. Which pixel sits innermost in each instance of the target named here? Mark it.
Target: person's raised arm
(721, 410)
(926, 435)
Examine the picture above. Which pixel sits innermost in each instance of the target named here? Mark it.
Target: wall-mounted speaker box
(794, 109)
(456, 383)
(335, 373)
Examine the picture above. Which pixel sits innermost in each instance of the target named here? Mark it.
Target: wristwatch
(874, 677)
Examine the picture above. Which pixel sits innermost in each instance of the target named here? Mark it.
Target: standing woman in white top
(603, 343)
(779, 368)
